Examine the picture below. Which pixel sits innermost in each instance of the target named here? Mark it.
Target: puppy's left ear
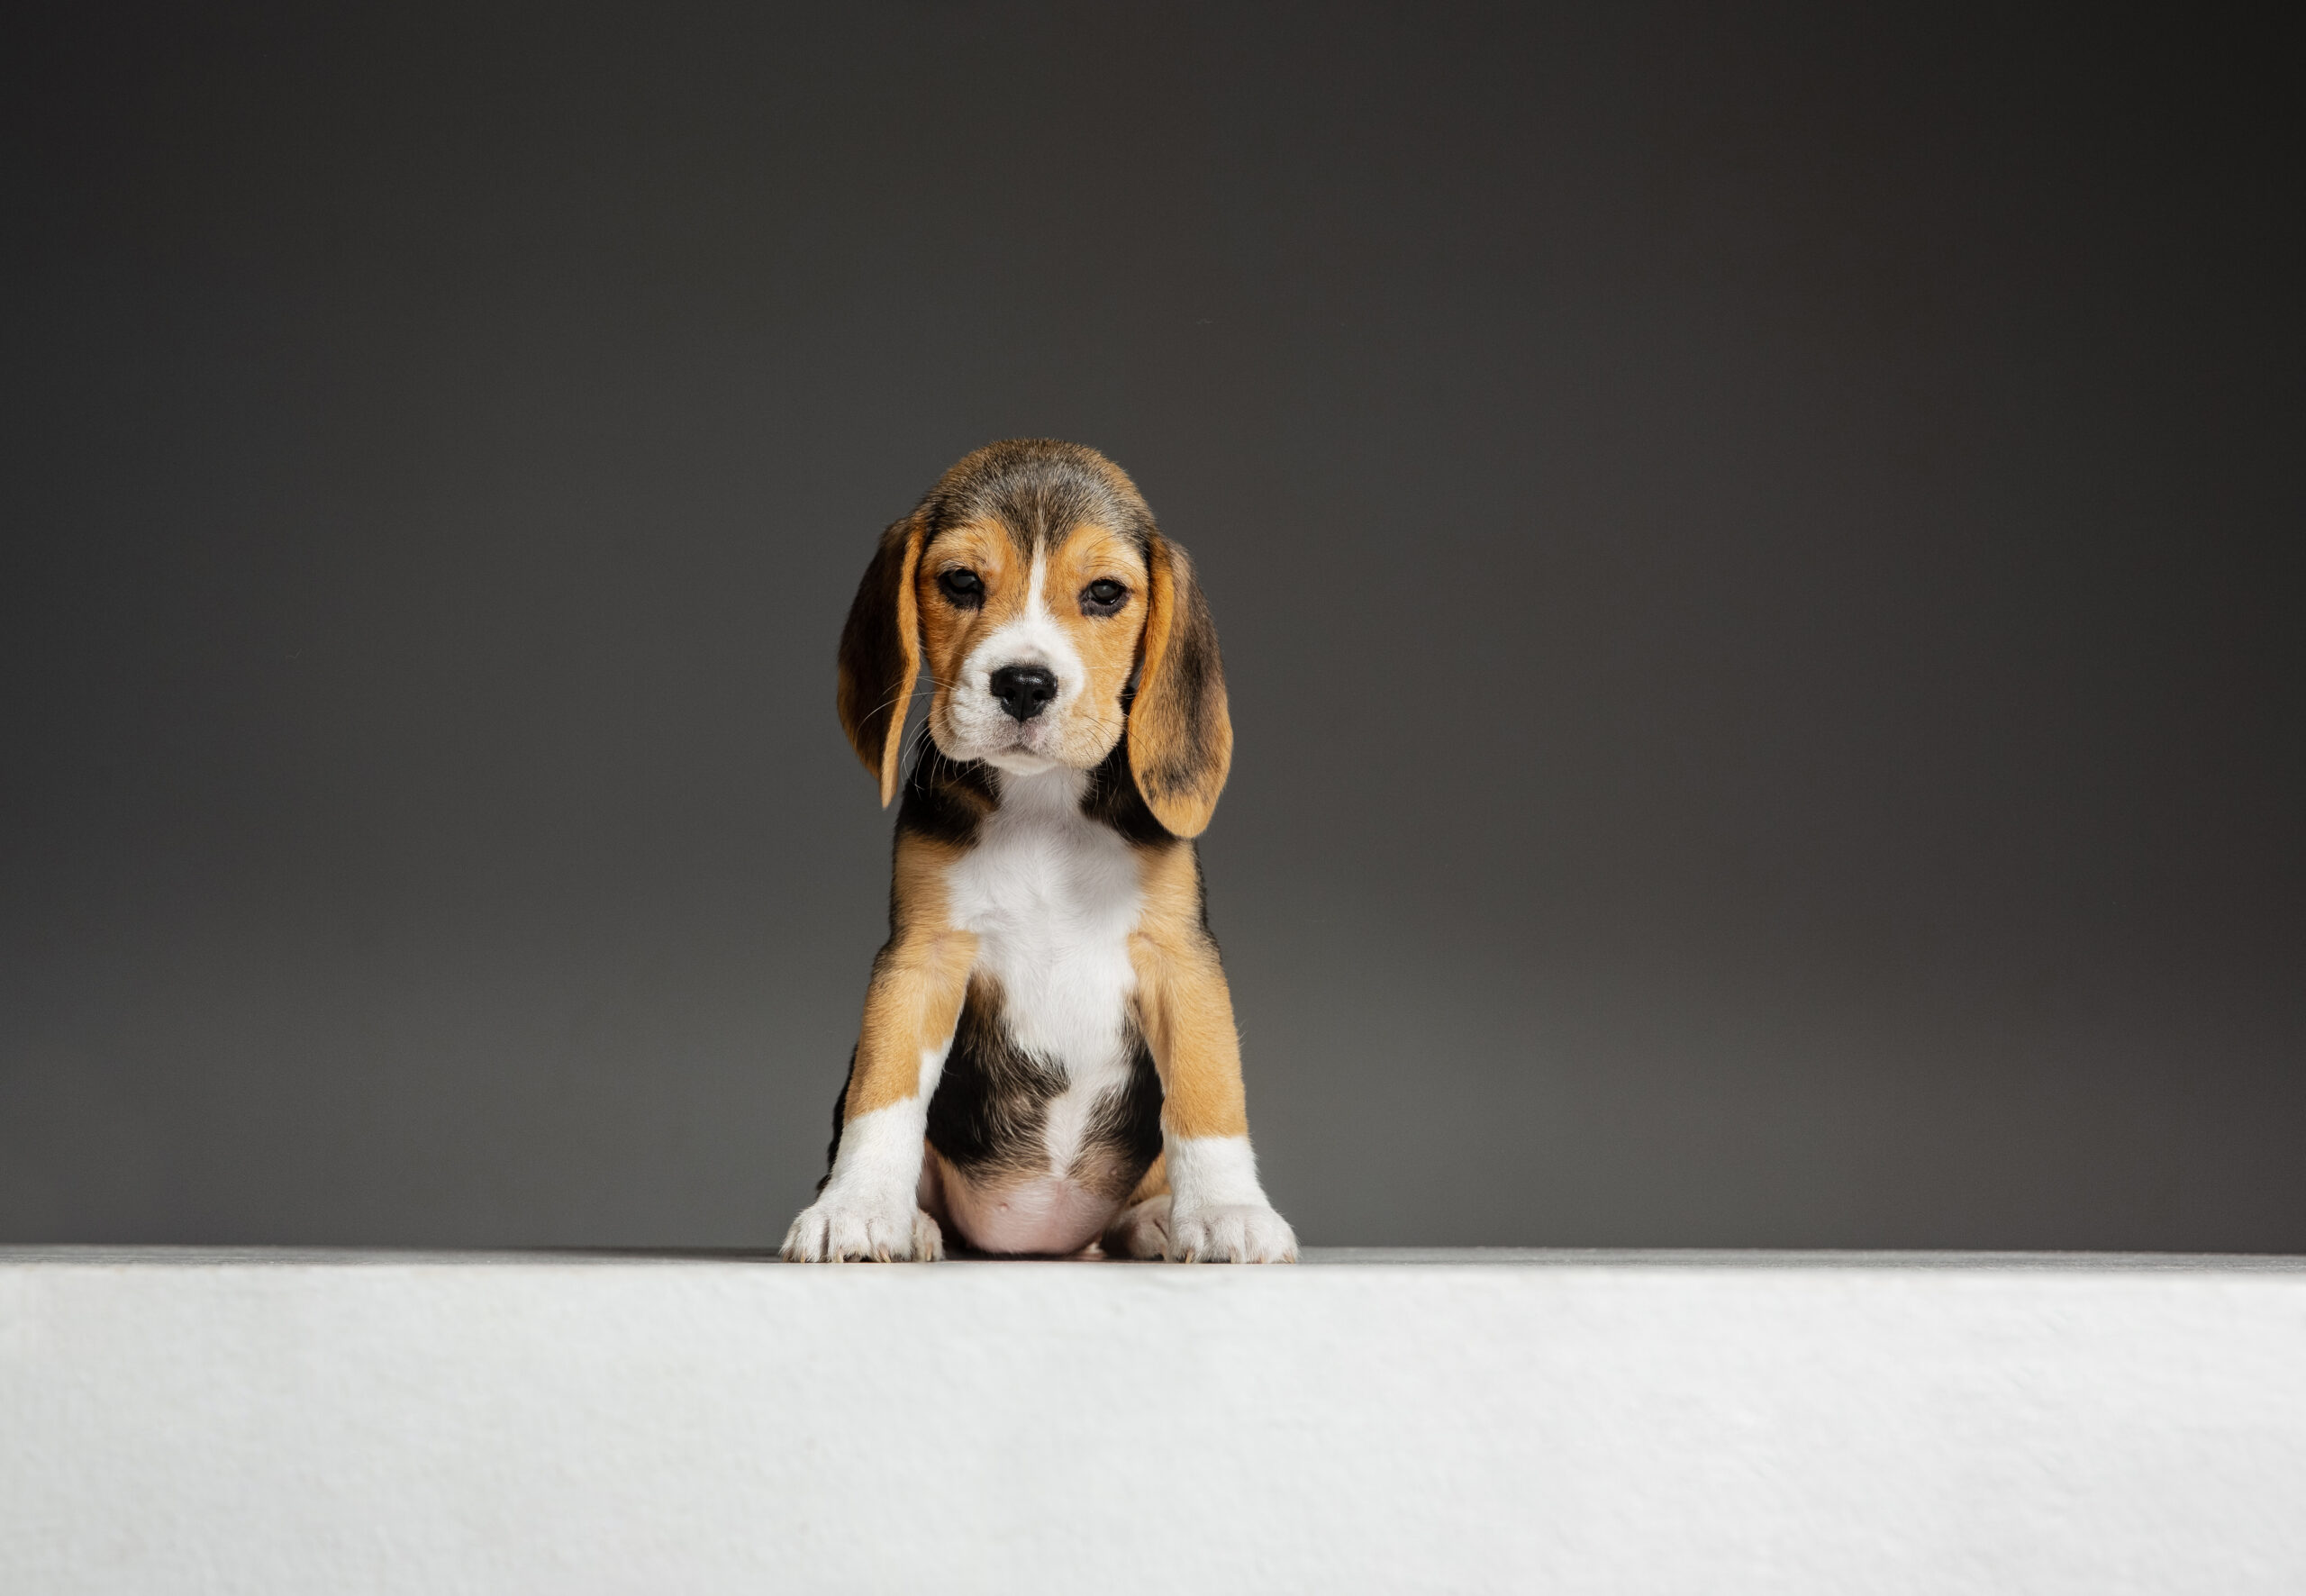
(880, 655)
(1180, 736)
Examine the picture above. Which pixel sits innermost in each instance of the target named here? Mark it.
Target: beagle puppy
(1047, 1058)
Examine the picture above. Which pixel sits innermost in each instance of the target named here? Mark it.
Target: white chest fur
(1052, 897)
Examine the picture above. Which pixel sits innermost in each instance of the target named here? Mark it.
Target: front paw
(1230, 1233)
(832, 1232)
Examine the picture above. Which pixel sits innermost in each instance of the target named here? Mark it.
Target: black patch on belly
(991, 1108)
(1125, 1133)
(992, 1101)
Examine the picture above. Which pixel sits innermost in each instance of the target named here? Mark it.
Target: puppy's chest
(1052, 898)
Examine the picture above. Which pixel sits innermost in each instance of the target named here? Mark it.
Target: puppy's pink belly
(1044, 1215)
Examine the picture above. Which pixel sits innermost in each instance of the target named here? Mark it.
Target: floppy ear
(880, 655)
(1180, 737)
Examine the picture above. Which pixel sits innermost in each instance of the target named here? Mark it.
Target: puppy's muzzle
(1023, 691)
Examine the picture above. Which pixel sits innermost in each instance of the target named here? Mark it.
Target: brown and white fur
(1047, 1058)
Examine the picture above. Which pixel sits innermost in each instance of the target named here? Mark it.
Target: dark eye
(965, 588)
(1102, 597)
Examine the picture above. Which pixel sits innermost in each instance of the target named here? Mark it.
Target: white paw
(830, 1232)
(1140, 1232)
(1231, 1233)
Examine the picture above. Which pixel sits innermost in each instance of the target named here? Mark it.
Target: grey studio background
(1756, 555)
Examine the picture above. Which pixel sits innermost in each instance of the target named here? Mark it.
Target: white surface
(316, 1422)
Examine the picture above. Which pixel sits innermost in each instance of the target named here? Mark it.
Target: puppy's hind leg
(1141, 1229)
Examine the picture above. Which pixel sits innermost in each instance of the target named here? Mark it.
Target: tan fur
(880, 656)
(1107, 644)
(1182, 1003)
(918, 982)
(948, 633)
(1181, 730)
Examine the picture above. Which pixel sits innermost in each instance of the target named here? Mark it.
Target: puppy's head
(1054, 618)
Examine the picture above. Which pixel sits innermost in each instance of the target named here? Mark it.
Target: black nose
(1023, 690)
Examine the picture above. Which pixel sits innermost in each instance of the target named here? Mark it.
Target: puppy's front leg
(868, 1209)
(1217, 1210)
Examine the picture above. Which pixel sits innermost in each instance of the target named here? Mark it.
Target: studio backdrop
(1756, 554)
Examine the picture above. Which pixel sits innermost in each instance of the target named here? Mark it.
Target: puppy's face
(1032, 584)
(1030, 641)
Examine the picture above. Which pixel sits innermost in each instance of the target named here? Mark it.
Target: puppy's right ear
(880, 655)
